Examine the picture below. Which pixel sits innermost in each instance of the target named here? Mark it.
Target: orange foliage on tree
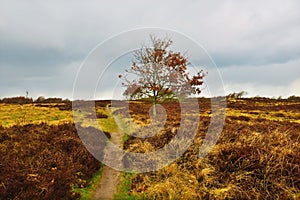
(160, 73)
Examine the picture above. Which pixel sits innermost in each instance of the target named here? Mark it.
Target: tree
(160, 74)
(237, 95)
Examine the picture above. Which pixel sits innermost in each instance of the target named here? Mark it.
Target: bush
(294, 98)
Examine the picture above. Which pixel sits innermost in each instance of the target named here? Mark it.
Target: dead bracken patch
(44, 162)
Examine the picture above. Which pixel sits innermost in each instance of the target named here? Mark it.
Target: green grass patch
(87, 192)
(123, 192)
(125, 138)
(107, 124)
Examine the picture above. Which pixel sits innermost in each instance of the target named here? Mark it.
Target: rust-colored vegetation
(44, 162)
(41, 155)
(256, 157)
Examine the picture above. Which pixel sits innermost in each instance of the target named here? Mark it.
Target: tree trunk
(154, 107)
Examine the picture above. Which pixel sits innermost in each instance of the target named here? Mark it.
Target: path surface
(110, 177)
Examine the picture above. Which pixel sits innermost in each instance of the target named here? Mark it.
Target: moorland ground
(257, 155)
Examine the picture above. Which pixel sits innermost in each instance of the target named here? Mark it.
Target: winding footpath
(110, 179)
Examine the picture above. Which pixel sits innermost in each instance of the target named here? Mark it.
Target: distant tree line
(17, 100)
(42, 99)
(238, 95)
(27, 100)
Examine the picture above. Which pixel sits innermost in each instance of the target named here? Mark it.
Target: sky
(254, 44)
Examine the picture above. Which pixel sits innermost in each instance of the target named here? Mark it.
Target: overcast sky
(255, 44)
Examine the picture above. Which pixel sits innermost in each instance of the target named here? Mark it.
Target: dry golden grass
(173, 183)
(259, 166)
(257, 157)
(16, 114)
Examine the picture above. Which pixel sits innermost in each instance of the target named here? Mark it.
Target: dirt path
(110, 177)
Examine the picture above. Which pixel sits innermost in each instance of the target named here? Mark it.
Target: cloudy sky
(255, 44)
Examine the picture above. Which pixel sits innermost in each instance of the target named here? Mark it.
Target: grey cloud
(273, 75)
(39, 40)
(21, 56)
(267, 55)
